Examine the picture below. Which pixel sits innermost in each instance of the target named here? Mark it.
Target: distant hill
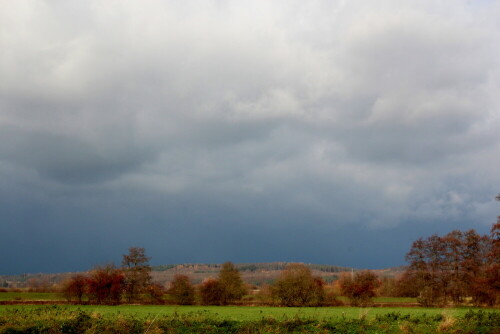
(252, 273)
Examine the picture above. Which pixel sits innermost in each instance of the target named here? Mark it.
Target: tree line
(132, 283)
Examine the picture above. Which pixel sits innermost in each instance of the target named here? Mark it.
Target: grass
(6, 296)
(250, 313)
(401, 300)
(188, 319)
(385, 300)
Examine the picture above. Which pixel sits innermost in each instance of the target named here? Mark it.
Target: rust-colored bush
(211, 292)
(106, 285)
(181, 290)
(296, 286)
(75, 288)
(360, 288)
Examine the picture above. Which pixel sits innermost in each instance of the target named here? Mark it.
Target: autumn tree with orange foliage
(211, 292)
(226, 289)
(181, 290)
(106, 285)
(455, 267)
(231, 283)
(492, 272)
(75, 288)
(360, 287)
(296, 286)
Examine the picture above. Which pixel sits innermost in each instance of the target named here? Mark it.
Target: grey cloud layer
(372, 113)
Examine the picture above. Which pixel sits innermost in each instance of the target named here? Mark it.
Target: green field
(246, 313)
(60, 319)
(29, 318)
(5, 296)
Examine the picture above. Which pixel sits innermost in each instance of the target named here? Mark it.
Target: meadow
(240, 319)
(30, 296)
(250, 313)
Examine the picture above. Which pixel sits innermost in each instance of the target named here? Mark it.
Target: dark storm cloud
(203, 123)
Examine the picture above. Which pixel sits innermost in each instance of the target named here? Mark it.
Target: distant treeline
(268, 266)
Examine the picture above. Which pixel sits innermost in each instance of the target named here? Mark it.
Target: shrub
(211, 292)
(360, 289)
(106, 285)
(181, 290)
(74, 288)
(297, 287)
(155, 293)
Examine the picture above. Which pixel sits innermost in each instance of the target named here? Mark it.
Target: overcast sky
(332, 132)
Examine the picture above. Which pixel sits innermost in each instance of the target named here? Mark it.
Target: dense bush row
(60, 320)
(296, 286)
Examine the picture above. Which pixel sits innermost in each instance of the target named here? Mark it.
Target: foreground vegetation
(192, 319)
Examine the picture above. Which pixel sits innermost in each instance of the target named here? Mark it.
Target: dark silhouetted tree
(137, 272)
(181, 290)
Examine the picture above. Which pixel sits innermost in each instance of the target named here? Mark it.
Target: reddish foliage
(455, 266)
(211, 292)
(296, 286)
(155, 292)
(106, 285)
(182, 290)
(360, 289)
(75, 288)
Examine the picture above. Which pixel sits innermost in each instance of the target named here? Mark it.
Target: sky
(329, 132)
